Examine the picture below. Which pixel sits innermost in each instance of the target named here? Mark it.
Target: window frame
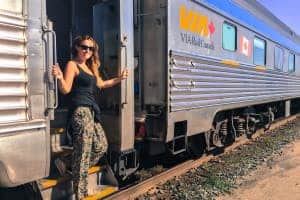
(235, 39)
(265, 50)
(282, 50)
(294, 62)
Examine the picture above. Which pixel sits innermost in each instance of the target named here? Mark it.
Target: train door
(113, 28)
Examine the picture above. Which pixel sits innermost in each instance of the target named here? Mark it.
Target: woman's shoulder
(72, 65)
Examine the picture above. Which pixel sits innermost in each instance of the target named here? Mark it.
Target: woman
(80, 76)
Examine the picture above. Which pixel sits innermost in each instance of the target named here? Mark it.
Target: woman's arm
(65, 80)
(111, 82)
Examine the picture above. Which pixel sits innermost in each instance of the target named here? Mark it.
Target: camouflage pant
(89, 144)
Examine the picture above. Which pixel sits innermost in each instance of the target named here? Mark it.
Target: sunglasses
(84, 47)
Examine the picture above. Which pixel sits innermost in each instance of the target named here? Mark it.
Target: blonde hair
(93, 62)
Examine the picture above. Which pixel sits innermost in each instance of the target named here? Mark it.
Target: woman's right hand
(56, 72)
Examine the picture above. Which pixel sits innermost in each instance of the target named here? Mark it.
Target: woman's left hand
(124, 74)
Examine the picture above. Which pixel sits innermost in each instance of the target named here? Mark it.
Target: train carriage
(221, 58)
(201, 74)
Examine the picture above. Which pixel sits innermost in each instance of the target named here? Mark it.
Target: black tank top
(82, 93)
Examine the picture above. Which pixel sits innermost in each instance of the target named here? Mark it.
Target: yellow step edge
(103, 193)
(230, 62)
(57, 130)
(260, 68)
(48, 183)
(95, 169)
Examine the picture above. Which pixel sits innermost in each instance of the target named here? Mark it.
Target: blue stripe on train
(231, 9)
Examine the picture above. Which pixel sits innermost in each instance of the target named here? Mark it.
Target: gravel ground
(221, 175)
(277, 179)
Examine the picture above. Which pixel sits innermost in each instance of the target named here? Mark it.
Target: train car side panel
(205, 79)
(24, 138)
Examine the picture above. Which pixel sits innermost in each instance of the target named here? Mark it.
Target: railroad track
(141, 188)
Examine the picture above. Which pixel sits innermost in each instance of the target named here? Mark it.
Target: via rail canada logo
(197, 28)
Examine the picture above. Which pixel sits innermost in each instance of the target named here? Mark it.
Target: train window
(11, 5)
(229, 37)
(278, 58)
(259, 51)
(291, 62)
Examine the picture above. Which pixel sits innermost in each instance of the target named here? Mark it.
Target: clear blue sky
(287, 11)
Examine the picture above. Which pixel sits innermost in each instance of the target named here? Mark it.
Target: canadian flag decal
(245, 46)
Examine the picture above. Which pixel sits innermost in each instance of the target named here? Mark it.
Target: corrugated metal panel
(196, 82)
(13, 77)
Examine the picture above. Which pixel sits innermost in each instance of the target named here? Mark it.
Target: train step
(57, 131)
(59, 140)
(62, 151)
(101, 183)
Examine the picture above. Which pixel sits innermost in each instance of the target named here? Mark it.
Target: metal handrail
(123, 45)
(54, 61)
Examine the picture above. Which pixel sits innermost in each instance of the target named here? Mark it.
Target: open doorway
(72, 18)
(110, 23)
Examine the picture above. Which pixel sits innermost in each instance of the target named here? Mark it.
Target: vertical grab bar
(55, 62)
(123, 45)
(49, 30)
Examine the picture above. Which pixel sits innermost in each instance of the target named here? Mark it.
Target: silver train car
(201, 74)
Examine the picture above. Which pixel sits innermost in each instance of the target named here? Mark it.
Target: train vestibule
(110, 24)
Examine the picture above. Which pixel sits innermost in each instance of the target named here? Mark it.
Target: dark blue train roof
(229, 8)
